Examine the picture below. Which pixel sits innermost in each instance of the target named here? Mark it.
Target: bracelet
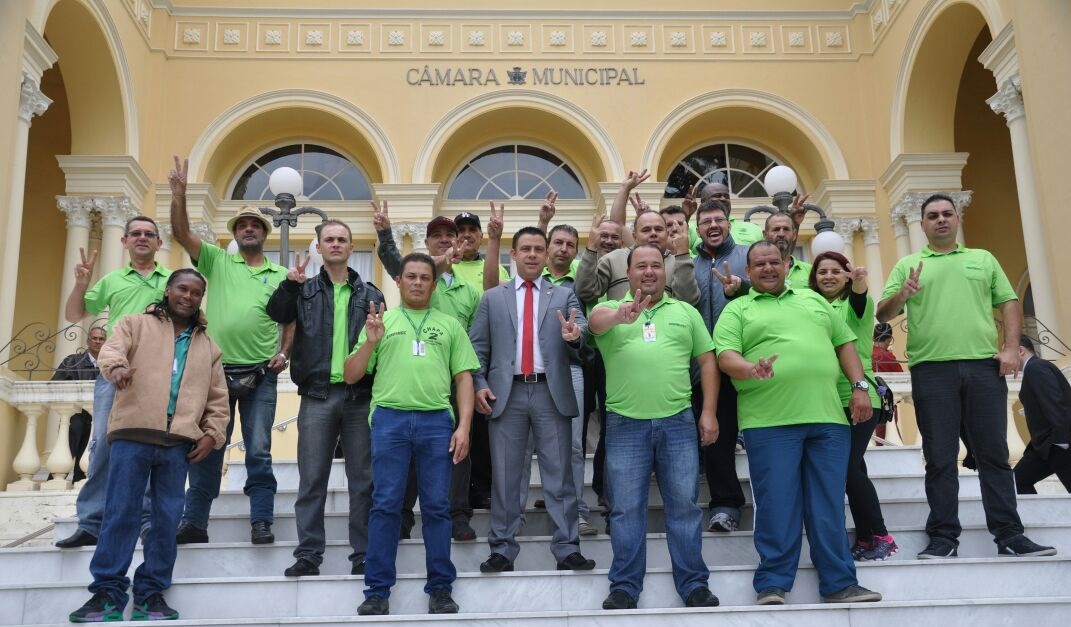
(283, 355)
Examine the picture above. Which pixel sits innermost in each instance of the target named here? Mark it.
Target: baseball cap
(468, 218)
(438, 221)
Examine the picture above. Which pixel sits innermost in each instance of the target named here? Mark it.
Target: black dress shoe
(442, 603)
(576, 561)
(260, 533)
(80, 537)
(374, 606)
(302, 568)
(188, 534)
(702, 597)
(619, 600)
(496, 563)
(357, 568)
(462, 531)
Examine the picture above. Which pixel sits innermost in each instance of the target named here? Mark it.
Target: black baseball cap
(467, 218)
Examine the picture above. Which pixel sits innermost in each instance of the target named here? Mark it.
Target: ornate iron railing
(1037, 331)
(32, 349)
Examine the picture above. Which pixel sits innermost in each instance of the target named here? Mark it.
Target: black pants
(862, 497)
(1032, 468)
(719, 459)
(972, 393)
(78, 440)
(595, 381)
(480, 456)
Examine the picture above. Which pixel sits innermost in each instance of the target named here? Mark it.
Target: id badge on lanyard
(418, 348)
(649, 333)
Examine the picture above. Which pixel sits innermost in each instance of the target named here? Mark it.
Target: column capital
(165, 232)
(899, 228)
(909, 207)
(869, 226)
(114, 210)
(1008, 101)
(203, 231)
(32, 101)
(846, 228)
(79, 212)
(415, 230)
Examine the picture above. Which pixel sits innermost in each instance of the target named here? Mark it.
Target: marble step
(881, 460)
(909, 512)
(48, 564)
(550, 591)
(997, 611)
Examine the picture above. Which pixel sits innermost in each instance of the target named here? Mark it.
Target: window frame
(463, 163)
(728, 141)
(240, 171)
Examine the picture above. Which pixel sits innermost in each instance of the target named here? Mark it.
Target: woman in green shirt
(846, 290)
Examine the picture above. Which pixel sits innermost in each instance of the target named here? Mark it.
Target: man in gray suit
(524, 384)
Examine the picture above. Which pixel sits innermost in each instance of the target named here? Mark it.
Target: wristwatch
(861, 385)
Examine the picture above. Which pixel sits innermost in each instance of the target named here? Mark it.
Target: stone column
(871, 245)
(914, 231)
(31, 102)
(164, 256)
(1008, 101)
(903, 244)
(78, 222)
(846, 228)
(28, 460)
(114, 212)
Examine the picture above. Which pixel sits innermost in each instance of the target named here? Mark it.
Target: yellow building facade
(874, 104)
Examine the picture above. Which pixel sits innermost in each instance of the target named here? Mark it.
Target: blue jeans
(397, 437)
(90, 503)
(258, 416)
(132, 466)
(798, 475)
(670, 447)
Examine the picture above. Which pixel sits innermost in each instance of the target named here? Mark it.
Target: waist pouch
(243, 379)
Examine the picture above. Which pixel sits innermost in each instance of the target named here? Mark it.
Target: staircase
(231, 582)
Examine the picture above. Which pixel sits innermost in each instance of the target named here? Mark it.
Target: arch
(590, 146)
(568, 167)
(104, 117)
(951, 31)
(759, 116)
(268, 118)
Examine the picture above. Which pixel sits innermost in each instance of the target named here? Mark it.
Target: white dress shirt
(537, 355)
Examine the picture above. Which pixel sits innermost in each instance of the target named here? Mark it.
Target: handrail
(27, 354)
(30, 536)
(279, 426)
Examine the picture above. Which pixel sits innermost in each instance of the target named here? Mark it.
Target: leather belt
(530, 378)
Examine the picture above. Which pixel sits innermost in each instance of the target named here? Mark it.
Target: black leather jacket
(311, 304)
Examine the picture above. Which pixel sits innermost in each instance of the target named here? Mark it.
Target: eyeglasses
(708, 221)
(140, 234)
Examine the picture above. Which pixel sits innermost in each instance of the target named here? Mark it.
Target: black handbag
(243, 379)
(888, 401)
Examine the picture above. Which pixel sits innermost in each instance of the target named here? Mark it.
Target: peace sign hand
(764, 368)
(496, 223)
(796, 209)
(634, 178)
(380, 217)
(177, 178)
(858, 276)
(297, 273)
(639, 204)
(730, 283)
(689, 204)
(570, 329)
(547, 210)
(911, 285)
(373, 325)
(628, 313)
(83, 271)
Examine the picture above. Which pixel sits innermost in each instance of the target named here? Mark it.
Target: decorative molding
(203, 230)
(477, 38)
(678, 39)
(796, 39)
(557, 38)
(834, 39)
(314, 37)
(396, 38)
(78, 210)
(599, 39)
(354, 38)
(37, 55)
(846, 228)
(32, 101)
(757, 39)
(1000, 56)
(638, 39)
(273, 37)
(909, 206)
(515, 38)
(899, 227)
(869, 226)
(719, 39)
(119, 175)
(415, 230)
(232, 36)
(436, 38)
(1008, 101)
(191, 35)
(910, 172)
(114, 210)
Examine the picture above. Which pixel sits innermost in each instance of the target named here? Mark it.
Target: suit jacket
(1046, 398)
(76, 367)
(494, 336)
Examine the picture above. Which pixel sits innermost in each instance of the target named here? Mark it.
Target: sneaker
(302, 568)
(770, 596)
(853, 594)
(154, 608)
(260, 533)
(374, 605)
(861, 547)
(357, 567)
(442, 603)
(740, 446)
(701, 597)
(881, 549)
(586, 529)
(938, 549)
(619, 600)
(462, 531)
(1022, 546)
(99, 609)
(188, 534)
(723, 522)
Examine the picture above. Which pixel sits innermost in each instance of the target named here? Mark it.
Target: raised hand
(796, 209)
(639, 204)
(373, 325)
(730, 283)
(177, 178)
(912, 286)
(857, 275)
(677, 241)
(570, 329)
(764, 368)
(690, 204)
(297, 273)
(596, 229)
(84, 271)
(634, 178)
(380, 217)
(546, 210)
(496, 223)
(628, 313)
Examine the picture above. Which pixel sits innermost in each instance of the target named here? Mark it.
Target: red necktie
(528, 331)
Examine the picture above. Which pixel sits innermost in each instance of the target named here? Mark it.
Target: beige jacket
(146, 345)
(608, 276)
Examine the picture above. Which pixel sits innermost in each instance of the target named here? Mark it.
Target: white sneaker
(586, 529)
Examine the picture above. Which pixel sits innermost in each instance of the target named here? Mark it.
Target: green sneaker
(153, 608)
(99, 609)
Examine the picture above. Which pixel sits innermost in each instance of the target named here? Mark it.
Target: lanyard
(416, 329)
(648, 314)
(156, 279)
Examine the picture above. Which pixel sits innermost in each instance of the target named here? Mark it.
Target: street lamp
(780, 183)
(286, 184)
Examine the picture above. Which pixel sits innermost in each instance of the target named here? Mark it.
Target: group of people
(682, 332)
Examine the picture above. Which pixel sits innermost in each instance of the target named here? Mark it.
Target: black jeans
(862, 497)
(595, 388)
(719, 459)
(1032, 468)
(972, 393)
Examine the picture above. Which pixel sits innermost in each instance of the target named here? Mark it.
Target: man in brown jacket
(170, 411)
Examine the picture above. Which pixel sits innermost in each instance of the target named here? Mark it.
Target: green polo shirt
(124, 291)
(951, 317)
(419, 383)
(237, 297)
(744, 233)
(340, 330)
(800, 327)
(646, 380)
(568, 276)
(182, 348)
(863, 328)
(458, 299)
(472, 272)
(799, 275)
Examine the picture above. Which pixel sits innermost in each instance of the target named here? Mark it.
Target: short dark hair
(628, 259)
(320, 227)
(938, 197)
(563, 227)
(141, 218)
(882, 331)
(417, 258)
(714, 204)
(780, 214)
(1027, 343)
(762, 243)
(528, 230)
(670, 210)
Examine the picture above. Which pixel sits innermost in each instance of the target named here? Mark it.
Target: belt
(530, 378)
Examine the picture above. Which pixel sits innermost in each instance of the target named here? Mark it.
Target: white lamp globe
(232, 248)
(314, 254)
(779, 179)
(285, 181)
(827, 241)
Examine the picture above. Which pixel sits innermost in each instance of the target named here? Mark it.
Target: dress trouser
(719, 459)
(1033, 468)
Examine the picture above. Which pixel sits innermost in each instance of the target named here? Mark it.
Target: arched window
(739, 167)
(327, 174)
(515, 172)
